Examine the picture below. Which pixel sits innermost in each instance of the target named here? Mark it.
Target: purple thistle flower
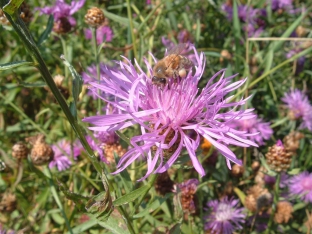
(301, 185)
(103, 34)
(299, 107)
(255, 125)
(62, 151)
(167, 115)
(281, 4)
(224, 217)
(63, 10)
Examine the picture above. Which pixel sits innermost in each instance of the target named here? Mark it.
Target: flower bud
(19, 150)
(41, 152)
(94, 17)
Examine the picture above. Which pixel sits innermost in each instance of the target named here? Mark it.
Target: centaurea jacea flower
(167, 115)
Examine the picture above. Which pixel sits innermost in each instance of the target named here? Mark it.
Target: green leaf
(115, 224)
(176, 229)
(240, 194)
(131, 196)
(276, 45)
(153, 206)
(294, 171)
(81, 228)
(100, 205)
(299, 206)
(47, 31)
(119, 19)
(78, 199)
(12, 65)
(12, 6)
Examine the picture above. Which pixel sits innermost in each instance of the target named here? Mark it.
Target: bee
(173, 66)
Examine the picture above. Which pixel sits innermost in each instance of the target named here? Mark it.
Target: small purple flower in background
(3, 231)
(62, 152)
(224, 217)
(281, 5)
(62, 12)
(252, 19)
(103, 34)
(299, 108)
(255, 126)
(166, 116)
(62, 9)
(301, 185)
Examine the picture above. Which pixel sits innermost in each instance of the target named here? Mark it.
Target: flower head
(299, 107)
(186, 192)
(63, 10)
(255, 125)
(224, 217)
(62, 152)
(301, 185)
(172, 118)
(103, 34)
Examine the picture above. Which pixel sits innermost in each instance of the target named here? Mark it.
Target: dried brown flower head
(8, 202)
(283, 212)
(19, 150)
(292, 141)
(237, 170)
(278, 158)
(41, 152)
(258, 198)
(163, 184)
(94, 17)
(62, 26)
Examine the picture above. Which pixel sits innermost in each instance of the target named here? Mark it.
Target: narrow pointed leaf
(16, 64)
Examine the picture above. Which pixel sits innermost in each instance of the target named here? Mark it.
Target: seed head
(258, 198)
(292, 141)
(94, 17)
(25, 12)
(278, 158)
(163, 184)
(41, 152)
(237, 170)
(19, 150)
(283, 212)
(8, 202)
(62, 26)
(110, 149)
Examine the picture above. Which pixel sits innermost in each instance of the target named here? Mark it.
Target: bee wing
(177, 49)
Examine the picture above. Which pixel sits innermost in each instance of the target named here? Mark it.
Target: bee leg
(182, 73)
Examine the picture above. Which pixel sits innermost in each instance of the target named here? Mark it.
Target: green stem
(97, 64)
(47, 172)
(131, 28)
(32, 48)
(275, 201)
(126, 218)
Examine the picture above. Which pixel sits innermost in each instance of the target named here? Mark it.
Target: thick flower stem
(151, 183)
(33, 50)
(97, 64)
(275, 201)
